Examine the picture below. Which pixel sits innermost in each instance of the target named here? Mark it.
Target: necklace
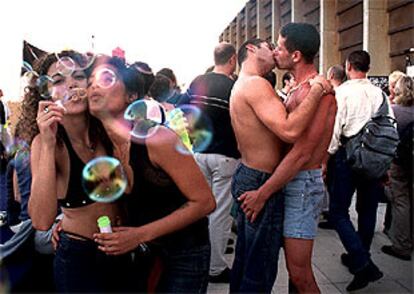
(301, 83)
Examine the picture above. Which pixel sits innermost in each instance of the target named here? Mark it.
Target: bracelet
(324, 92)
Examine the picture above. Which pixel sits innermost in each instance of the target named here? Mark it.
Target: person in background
(336, 75)
(271, 78)
(176, 91)
(401, 173)
(162, 91)
(288, 82)
(146, 72)
(19, 179)
(211, 93)
(358, 100)
(392, 80)
(4, 142)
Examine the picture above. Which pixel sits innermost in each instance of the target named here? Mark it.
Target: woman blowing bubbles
(169, 200)
(65, 139)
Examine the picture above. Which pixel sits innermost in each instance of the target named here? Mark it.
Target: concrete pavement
(333, 277)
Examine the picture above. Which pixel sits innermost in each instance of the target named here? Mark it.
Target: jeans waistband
(253, 171)
(310, 173)
(76, 237)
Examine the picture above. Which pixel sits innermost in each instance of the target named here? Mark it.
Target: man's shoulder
(344, 86)
(211, 84)
(213, 76)
(353, 87)
(251, 82)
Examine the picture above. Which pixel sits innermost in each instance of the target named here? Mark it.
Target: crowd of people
(276, 159)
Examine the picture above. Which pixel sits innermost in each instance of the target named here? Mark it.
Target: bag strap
(383, 109)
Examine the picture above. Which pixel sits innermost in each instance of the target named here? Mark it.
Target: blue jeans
(3, 191)
(257, 249)
(80, 267)
(185, 270)
(20, 164)
(24, 179)
(342, 184)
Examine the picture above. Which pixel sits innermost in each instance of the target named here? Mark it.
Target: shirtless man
(260, 123)
(300, 170)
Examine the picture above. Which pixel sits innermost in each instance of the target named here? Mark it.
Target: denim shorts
(303, 204)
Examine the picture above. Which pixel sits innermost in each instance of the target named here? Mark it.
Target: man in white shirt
(357, 101)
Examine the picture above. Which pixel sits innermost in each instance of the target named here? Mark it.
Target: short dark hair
(145, 71)
(271, 78)
(359, 60)
(223, 52)
(168, 72)
(160, 88)
(302, 37)
(242, 54)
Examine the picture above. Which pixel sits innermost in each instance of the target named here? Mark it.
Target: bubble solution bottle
(104, 224)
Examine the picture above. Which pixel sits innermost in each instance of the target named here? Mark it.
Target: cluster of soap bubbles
(192, 126)
(103, 178)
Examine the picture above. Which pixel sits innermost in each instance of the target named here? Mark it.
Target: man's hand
(325, 84)
(251, 204)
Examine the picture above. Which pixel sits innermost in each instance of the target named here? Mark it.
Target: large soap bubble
(104, 179)
(146, 116)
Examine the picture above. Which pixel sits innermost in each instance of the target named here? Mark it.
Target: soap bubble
(104, 179)
(65, 66)
(146, 116)
(105, 78)
(192, 126)
(42, 84)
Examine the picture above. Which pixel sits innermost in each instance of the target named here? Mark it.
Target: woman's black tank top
(75, 195)
(154, 196)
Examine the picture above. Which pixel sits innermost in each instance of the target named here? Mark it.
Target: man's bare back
(260, 148)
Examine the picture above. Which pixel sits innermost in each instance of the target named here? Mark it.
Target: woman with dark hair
(170, 198)
(64, 137)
